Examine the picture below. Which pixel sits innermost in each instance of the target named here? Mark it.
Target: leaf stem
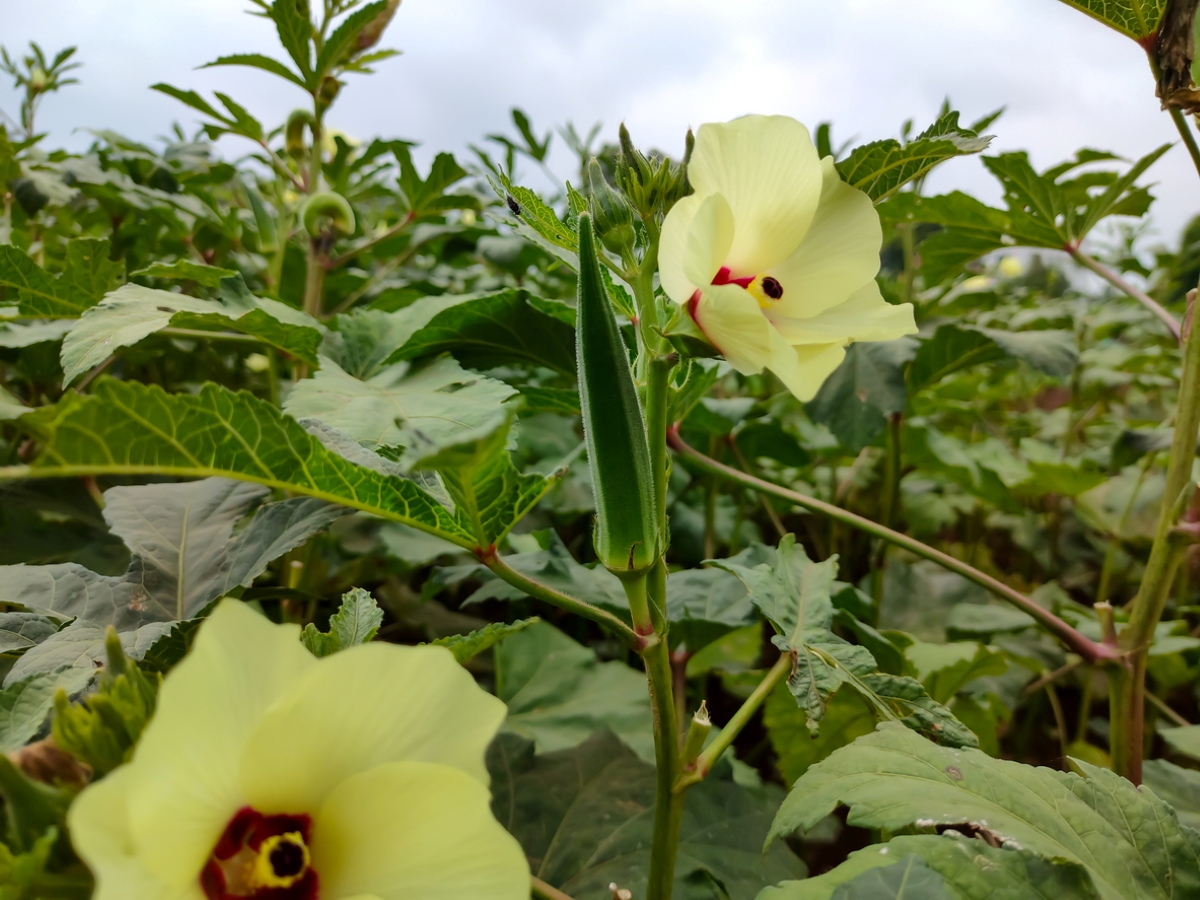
(1162, 707)
(1126, 288)
(1185, 132)
(1093, 652)
(554, 597)
(543, 891)
(368, 244)
(722, 742)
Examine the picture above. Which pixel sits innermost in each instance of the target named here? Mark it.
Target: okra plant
(741, 521)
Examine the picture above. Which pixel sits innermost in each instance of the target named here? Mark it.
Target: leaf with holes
(1129, 841)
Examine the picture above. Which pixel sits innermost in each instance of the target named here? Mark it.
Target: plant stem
(368, 244)
(1127, 689)
(543, 891)
(668, 803)
(1185, 132)
(1125, 287)
(722, 742)
(1093, 652)
(547, 594)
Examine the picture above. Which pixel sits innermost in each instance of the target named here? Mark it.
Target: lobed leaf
(126, 428)
(466, 647)
(1130, 841)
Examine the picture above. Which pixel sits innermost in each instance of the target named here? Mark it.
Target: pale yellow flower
(774, 256)
(269, 774)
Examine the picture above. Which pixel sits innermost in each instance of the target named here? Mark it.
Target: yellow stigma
(282, 861)
(766, 290)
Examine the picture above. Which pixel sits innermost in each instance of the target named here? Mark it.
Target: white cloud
(661, 65)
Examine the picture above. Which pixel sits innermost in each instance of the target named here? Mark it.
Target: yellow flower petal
(865, 316)
(839, 253)
(186, 787)
(803, 369)
(411, 830)
(99, 824)
(696, 238)
(768, 170)
(732, 320)
(363, 707)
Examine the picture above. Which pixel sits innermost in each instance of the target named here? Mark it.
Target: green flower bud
(611, 214)
(328, 90)
(37, 78)
(294, 132)
(626, 536)
(331, 207)
(370, 35)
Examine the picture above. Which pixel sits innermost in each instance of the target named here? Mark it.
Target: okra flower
(774, 256)
(268, 774)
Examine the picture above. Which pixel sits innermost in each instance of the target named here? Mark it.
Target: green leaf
(706, 604)
(1184, 739)
(967, 869)
(847, 717)
(25, 704)
(134, 312)
(466, 647)
(584, 818)
(356, 622)
(1130, 842)
(427, 196)
(1181, 786)
(295, 33)
(192, 99)
(490, 495)
(907, 879)
(855, 401)
(946, 455)
(184, 553)
(881, 168)
(537, 222)
(794, 595)
(87, 274)
(945, 669)
(186, 270)
(82, 645)
(22, 334)
(341, 45)
(126, 428)
(1137, 19)
(956, 347)
(258, 61)
(22, 630)
(492, 330)
(401, 406)
(558, 693)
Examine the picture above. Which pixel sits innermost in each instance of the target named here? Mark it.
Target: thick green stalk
(1095, 653)
(668, 803)
(1185, 132)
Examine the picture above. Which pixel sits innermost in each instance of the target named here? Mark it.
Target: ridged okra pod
(625, 537)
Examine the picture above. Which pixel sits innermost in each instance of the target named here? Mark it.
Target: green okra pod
(625, 537)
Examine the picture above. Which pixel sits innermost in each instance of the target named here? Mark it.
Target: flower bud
(626, 536)
(370, 35)
(328, 90)
(294, 132)
(37, 78)
(328, 206)
(611, 215)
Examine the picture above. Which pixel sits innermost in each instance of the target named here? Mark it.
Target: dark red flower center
(261, 857)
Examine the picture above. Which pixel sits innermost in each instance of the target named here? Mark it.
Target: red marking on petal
(693, 302)
(248, 829)
(724, 276)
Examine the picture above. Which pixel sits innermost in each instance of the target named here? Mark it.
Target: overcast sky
(660, 65)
